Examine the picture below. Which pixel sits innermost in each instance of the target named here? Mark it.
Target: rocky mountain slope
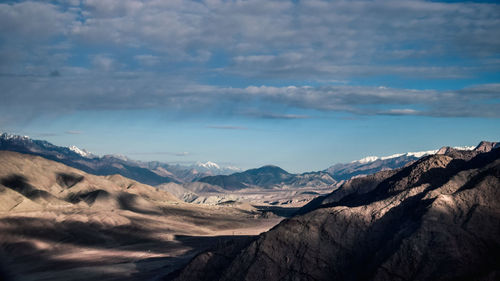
(436, 219)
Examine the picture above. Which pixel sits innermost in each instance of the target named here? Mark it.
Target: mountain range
(152, 173)
(435, 219)
(275, 177)
(269, 177)
(373, 164)
(228, 178)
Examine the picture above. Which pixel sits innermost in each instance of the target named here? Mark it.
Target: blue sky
(299, 84)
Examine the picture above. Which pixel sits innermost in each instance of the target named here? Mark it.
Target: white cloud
(96, 45)
(403, 111)
(32, 21)
(335, 31)
(321, 40)
(122, 90)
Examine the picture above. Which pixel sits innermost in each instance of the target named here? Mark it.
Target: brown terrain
(59, 223)
(435, 219)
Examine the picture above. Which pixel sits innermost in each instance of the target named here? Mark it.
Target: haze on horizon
(298, 84)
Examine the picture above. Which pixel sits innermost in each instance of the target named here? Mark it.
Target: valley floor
(117, 244)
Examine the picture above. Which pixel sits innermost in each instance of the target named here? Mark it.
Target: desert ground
(59, 223)
(79, 244)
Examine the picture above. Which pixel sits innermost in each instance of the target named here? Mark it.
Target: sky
(298, 84)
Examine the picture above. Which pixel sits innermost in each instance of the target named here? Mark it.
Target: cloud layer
(21, 94)
(127, 54)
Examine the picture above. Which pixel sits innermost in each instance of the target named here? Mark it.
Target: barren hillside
(437, 219)
(59, 223)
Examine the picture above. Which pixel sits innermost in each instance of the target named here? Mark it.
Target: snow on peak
(7, 136)
(208, 165)
(417, 154)
(422, 153)
(464, 147)
(394, 156)
(367, 159)
(81, 152)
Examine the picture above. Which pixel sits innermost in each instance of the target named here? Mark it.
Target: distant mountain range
(228, 178)
(269, 177)
(152, 173)
(275, 177)
(373, 164)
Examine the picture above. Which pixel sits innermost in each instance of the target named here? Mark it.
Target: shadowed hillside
(437, 219)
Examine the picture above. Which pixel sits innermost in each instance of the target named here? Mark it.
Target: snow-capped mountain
(153, 172)
(189, 173)
(208, 165)
(82, 159)
(215, 168)
(82, 152)
(373, 164)
(25, 144)
(408, 154)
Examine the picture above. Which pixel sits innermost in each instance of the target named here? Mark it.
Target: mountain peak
(208, 165)
(367, 159)
(81, 152)
(265, 176)
(271, 168)
(485, 146)
(7, 136)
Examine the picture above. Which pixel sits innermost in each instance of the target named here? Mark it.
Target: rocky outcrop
(486, 146)
(436, 219)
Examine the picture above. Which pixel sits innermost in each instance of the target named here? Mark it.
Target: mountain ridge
(229, 178)
(435, 219)
(269, 177)
(372, 164)
(153, 172)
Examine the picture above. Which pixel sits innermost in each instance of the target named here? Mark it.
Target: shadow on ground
(286, 212)
(23, 258)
